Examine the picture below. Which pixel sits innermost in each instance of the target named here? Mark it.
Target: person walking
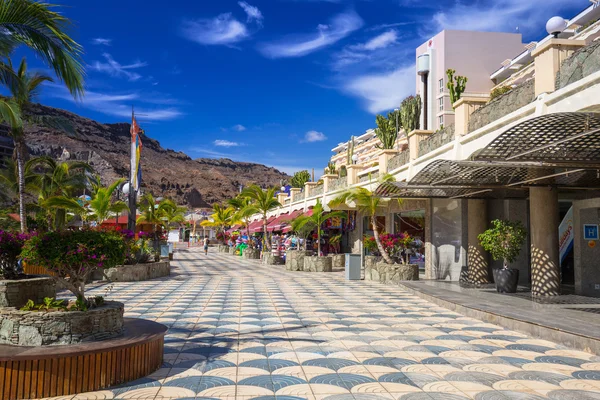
(205, 245)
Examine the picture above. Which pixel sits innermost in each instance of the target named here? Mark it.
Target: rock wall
(582, 63)
(436, 140)
(270, 259)
(338, 261)
(398, 160)
(15, 293)
(392, 273)
(503, 105)
(39, 328)
(138, 272)
(294, 259)
(251, 254)
(317, 264)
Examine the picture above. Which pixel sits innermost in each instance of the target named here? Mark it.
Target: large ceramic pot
(506, 280)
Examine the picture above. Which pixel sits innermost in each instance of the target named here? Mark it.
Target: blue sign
(590, 232)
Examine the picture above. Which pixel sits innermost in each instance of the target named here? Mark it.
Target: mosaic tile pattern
(241, 330)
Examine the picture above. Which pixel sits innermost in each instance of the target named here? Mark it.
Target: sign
(590, 232)
(566, 235)
(592, 244)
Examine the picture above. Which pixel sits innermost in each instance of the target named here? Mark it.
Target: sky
(277, 82)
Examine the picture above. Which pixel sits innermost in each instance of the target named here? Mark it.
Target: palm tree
(150, 212)
(9, 179)
(367, 205)
(99, 208)
(302, 228)
(221, 217)
(171, 213)
(263, 201)
(34, 24)
(318, 218)
(54, 178)
(243, 210)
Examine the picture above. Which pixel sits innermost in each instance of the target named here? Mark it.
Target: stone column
(548, 58)
(543, 224)
(414, 138)
(429, 262)
(295, 194)
(477, 258)
(353, 171)
(327, 178)
(384, 157)
(281, 198)
(308, 188)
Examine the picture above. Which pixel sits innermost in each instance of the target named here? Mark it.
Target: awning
(255, 226)
(559, 150)
(281, 222)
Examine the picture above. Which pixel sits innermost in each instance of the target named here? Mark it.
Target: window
(441, 104)
(442, 85)
(441, 120)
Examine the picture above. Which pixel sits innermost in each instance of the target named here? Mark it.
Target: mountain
(167, 173)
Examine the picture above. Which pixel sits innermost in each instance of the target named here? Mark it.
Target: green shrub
(499, 91)
(504, 240)
(74, 255)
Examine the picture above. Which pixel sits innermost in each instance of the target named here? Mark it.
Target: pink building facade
(475, 55)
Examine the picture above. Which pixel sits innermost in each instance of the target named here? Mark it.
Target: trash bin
(353, 266)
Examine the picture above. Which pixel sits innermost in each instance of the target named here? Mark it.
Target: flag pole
(131, 221)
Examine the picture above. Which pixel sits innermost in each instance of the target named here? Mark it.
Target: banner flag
(566, 235)
(135, 130)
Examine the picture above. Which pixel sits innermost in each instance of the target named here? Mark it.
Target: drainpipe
(423, 70)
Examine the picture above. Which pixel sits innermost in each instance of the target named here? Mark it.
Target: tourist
(206, 245)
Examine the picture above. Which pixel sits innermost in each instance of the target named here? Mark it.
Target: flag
(138, 159)
(135, 130)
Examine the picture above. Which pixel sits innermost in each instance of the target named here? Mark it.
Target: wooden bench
(48, 371)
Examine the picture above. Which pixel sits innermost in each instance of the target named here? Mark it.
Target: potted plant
(504, 241)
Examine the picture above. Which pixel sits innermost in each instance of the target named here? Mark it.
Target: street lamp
(556, 25)
(354, 158)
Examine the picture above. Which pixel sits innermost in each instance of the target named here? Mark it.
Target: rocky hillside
(194, 183)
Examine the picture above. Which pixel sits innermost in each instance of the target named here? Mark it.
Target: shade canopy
(558, 150)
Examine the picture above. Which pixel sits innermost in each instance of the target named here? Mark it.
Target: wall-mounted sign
(592, 244)
(590, 232)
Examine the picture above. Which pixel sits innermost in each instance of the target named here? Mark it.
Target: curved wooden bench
(48, 371)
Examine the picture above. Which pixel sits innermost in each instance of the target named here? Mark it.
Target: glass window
(441, 120)
(441, 104)
(442, 85)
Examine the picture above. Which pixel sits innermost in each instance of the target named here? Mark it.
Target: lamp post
(556, 25)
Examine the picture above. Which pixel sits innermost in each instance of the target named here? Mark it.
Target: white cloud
(239, 128)
(117, 105)
(314, 136)
(221, 30)
(381, 41)
(253, 12)
(383, 91)
(102, 41)
(500, 15)
(115, 69)
(227, 143)
(338, 28)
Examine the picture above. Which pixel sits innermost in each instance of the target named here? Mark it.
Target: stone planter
(392, 273)
(222, 248)
(39, 328)
(232, 250)
(369, 263)
(251, 254)
(270, 259)
(15, 293)
(135, 273)
(318, 264)
(294, 260)
(338, 261)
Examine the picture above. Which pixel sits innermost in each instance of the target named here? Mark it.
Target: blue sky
(278, 82)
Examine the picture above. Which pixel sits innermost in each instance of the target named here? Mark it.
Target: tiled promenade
(241, 330)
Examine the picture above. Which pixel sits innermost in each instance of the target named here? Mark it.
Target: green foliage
(330, 169)
(221, 218)
(316, 220)
(299, 179)
(263, 201)
(499, 91)
(343, 171)
(48, 304)
(504, 240)
(29, 306)
(410, 113)
(74, 255)
(386, 131)
(350, 151)
(456, 85)
(11, 245)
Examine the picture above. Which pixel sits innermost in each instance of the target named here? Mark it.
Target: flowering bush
(370, 245)
(393, 244)
(11, 245)
(74, 255)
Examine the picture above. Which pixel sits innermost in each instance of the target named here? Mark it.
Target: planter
(270, 259)
(392, 273)
(39, 328)
(15, 293)
(232, 250)
(294, 260)
(370, 262)
(317, 264)
(338, 261)
(222, 248)
(251, 254)
(135, 273)
(506, 280)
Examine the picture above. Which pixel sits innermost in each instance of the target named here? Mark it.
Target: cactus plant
(410, 113)
(386, 131)
(456, 85)
(350, 151)
(330, 169)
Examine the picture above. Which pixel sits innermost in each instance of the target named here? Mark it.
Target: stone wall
(251, 254)
(294, 259)
(338, 183)
(15, 293)
(373, 176)
(223, 248)
(317, 190)
(398, 160)
(436, 140)
(503, 105)
(270, 259)
(392, 273)
(582, 63)
(317, 264)
(138, 272)
(338, 261)
(39, 328)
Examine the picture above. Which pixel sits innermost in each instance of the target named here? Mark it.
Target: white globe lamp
(125, 188)
(354, 158)
(283, 188)
(556, 25)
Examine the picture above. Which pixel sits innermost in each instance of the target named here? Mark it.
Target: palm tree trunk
(319, 241)
(384, 254)
(266, 241)
(21, 172)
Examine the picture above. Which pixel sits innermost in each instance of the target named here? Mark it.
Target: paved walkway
(240, 330)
